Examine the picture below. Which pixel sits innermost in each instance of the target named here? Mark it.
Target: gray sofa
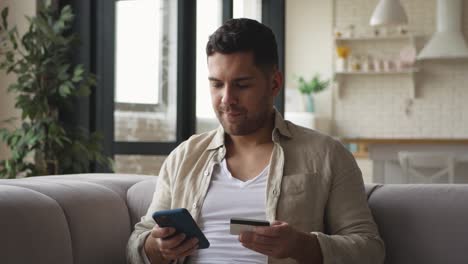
(88, 218)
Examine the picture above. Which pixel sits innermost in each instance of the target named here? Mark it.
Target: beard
(238, 121)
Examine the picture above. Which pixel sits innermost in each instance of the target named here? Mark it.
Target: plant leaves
(78, 73)
(5, 17)
(64, 90)
(47, 82)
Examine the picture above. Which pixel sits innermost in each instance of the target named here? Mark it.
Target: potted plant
(309, 88)
(46, 85)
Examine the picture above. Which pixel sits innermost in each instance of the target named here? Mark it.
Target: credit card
(239, 225)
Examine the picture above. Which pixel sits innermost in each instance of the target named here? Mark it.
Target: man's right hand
(161, 246)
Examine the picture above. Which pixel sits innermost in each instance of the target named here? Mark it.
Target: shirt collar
(281, 128)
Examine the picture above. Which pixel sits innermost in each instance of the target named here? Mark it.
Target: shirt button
(206, 173)
(275, 192)
(194, 206)
(276, 137)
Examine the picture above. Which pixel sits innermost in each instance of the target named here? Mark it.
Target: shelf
(396, 37)
(411, 71)
(405, 71)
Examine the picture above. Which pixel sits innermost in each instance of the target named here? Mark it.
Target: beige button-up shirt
(314, 184)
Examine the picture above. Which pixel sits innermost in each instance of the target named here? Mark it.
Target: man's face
(241, 93)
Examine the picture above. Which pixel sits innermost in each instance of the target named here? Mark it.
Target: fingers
(256, 239)
(162, 232)
(183, 250)
(275, 230)
(188, 248)
(276, 223)
(171, 245)
(172, 242)
(274, 241)
(265, 250)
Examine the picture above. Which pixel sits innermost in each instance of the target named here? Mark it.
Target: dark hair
(244, 35)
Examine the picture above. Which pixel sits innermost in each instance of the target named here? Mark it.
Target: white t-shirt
(229, 197)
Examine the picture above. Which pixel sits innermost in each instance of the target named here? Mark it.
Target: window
(150, 60)
(209, 18)
(145, 68)
(248, 8)
(138, 52)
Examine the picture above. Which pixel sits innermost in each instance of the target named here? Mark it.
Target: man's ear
(277, 82)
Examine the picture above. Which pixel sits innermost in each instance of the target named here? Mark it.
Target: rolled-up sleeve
(351, 232)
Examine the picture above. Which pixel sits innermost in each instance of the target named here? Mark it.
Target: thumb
(277, 223)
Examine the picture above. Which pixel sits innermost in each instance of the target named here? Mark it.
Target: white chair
(428, 165)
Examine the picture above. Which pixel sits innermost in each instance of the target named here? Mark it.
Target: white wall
(374, 106)
(309, 48)
(18, 9)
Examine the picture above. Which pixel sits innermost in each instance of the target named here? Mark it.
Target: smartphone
(182, 221)
(239, 225)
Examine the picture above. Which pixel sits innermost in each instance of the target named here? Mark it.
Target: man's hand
(161, 245)
(282, 241)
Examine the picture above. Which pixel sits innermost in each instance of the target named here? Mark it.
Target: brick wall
(139, 126)
(138, 164)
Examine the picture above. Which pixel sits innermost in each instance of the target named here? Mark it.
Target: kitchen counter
(406, 140)
(384, 154)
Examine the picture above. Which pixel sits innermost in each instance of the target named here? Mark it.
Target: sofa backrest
(422, 223)
(65, 219)
(87, 219)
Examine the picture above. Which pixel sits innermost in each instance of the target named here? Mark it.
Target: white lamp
(389, 12)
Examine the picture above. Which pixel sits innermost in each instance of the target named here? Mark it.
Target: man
(257, 165)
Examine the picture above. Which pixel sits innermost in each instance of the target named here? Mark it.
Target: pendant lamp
(389, 12)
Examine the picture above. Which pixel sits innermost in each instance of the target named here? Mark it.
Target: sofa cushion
(370, 188)
(139, 198)
(119, 183)
(422, 223)
(33, 228)
(97, 217)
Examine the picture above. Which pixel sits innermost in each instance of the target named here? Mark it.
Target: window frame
(105, 105)
(95, 25)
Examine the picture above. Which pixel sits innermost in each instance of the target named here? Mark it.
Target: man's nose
(229, 95)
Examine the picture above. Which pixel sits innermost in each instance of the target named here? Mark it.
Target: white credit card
(239, 225)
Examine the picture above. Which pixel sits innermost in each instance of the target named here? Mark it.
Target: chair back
(428, 165)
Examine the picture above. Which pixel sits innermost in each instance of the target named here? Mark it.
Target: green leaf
(12, 37)
(66, 14)
(315, 85)
(64, 90)
(8, 164)
(5, 17)
(78, 73)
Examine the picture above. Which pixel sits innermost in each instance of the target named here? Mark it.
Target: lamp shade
(389, 12)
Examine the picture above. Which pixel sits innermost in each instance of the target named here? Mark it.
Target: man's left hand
(280, 240)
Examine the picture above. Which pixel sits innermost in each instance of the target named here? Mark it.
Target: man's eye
(243, 85)
(216, 85)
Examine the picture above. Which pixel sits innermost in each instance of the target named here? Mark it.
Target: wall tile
(374, 106)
